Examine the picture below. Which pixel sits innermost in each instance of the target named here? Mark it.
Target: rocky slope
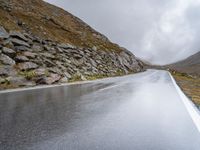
(190, 65)
(43, 44)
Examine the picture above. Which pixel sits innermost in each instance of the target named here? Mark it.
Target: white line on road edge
(194, 113)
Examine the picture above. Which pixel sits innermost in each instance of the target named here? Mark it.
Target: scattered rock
(8, 51)
(66, 74)
(18, 35)
(7, 71)
(21, 58)
(18, 42)
(48, 55)
(27, 66)
(37, 48)
(22, 48)
(3, 33)
(30, 54)
(6, 60)
(19, 81)
(66, 46)
(48, 62)
(64, 80)
(40, 71)
(49, 80)
(55, 70)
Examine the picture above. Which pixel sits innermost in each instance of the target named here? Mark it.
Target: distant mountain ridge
(190, 65)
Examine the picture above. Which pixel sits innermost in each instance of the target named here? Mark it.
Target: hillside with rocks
(43, 44)
(190, 65)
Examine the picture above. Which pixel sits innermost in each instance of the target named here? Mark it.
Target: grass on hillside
(190, 85)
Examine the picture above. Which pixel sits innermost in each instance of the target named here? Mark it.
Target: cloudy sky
(160, 31)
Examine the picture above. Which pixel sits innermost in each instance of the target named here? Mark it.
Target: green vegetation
(28, 74)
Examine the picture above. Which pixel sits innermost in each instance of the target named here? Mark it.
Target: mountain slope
(50, 22)
(43, 44)
(190, 65)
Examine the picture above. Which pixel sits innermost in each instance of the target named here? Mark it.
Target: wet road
(136, 112)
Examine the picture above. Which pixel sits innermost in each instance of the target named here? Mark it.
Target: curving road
(136, 112)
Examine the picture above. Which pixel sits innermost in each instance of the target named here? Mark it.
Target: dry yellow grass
(190, 85)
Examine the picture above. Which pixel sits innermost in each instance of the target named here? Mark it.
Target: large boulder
(3, 33)
(30, 54)
(7, 71)
(8, 51)
(18, 35)
(49, 80)
(19, 81)
(18, 42)
(27, 66)
(21, 58)
(6, 60)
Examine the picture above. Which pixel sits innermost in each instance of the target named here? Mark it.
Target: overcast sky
(160, 31)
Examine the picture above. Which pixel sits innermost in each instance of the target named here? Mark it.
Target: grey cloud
(158, 31)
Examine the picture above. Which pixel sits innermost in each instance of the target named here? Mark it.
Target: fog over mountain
(158, 31)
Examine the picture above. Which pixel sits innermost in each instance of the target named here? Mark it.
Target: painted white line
(192, 110)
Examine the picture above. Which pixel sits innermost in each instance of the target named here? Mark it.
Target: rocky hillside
(191, 65)
(43, 44)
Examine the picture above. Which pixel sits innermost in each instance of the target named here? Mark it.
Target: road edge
(62, 84)
(191, 108)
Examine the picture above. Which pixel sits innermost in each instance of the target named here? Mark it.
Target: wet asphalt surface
(136, 112)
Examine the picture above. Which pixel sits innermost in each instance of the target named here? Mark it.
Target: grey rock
(48, 62)
(60, 65)
(48, 55)
(28, 36)
(21, 58)
(59, 49)
(77, 56)
(19, 81)
(22, 48)
(81, 76)
(40, 71)
(30, 54)
(77, 62)
(55, 70)
(37, 48)
(8, 51)
(64, 80)
(7, 71)
(66, 74)
(6, 60)
(3, 33)
(94, 48)
(27, 66)
(18, 35)
(49, 48)
(2, 81)
(18, 42)
(49, 80)
(93, 63)
(66, 46)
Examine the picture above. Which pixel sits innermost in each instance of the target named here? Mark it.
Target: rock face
(39, 46)
(59, 62)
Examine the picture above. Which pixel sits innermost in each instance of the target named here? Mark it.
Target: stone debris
(48, 62)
